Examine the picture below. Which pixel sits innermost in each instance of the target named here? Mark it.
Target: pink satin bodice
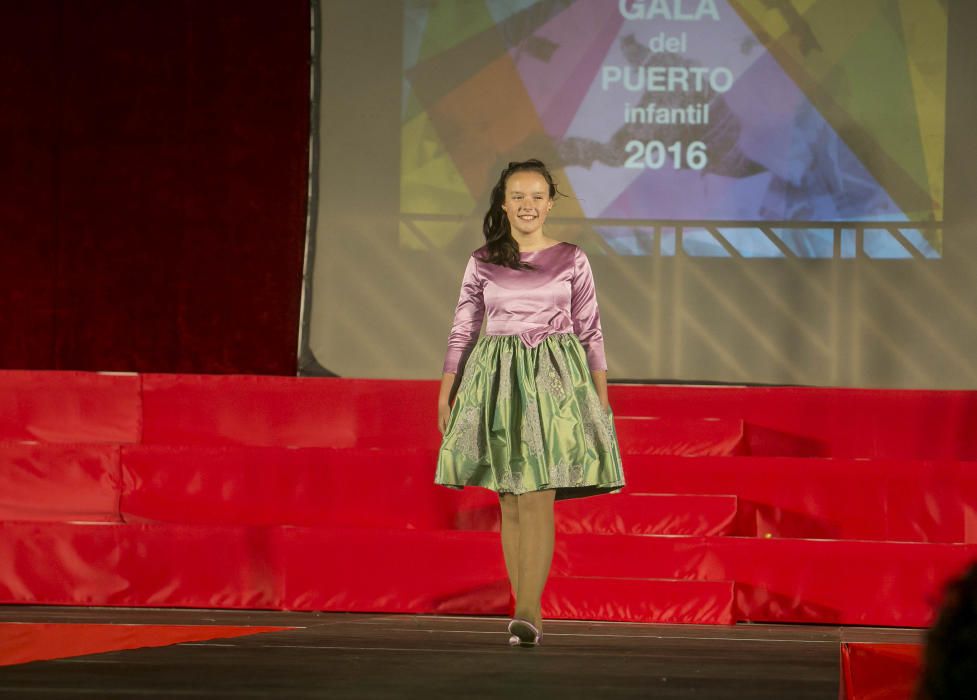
(557, 297)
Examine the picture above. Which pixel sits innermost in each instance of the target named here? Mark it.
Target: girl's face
(527, 201)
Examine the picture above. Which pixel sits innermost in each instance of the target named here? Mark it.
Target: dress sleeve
(468, 318)
(583, 311)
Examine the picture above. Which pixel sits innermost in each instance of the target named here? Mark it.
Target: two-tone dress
(527, 415)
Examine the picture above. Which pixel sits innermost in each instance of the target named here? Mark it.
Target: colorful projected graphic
(753, 128)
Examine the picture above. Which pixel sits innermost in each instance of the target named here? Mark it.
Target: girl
(530, 419)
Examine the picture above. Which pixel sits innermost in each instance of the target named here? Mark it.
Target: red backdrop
(152, 184)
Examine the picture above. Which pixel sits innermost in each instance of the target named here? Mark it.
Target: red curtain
(153, 184)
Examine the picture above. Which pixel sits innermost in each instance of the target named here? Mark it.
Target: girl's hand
(446, 392)
(444, 412)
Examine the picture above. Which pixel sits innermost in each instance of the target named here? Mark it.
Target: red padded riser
(299, 569)
(833, 422)
(883, 500)
(640, 600)
(181, 409)
(862, 583)
(648, 514)
(274, 486)
(322, 487)
(686, 437)
(69, 407)
(828, 499)
(59, 483)
(135, 565)
(77, 407)
(636, 514)
(828, 582)
(270, 411)
(288, 411)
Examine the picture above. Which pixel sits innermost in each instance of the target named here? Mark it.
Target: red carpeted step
(885, 500)
(686, 437)
(639, 600)
(59, 482)
(69, 407)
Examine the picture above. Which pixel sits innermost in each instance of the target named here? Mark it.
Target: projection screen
(769, 191)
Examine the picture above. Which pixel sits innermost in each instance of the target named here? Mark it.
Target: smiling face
(527, 202)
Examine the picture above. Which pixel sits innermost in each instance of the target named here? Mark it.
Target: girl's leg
(510, 537)
(536, 535)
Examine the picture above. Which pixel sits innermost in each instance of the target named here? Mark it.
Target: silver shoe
(525, 631)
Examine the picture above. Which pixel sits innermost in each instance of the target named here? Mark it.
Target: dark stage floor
(345, 655)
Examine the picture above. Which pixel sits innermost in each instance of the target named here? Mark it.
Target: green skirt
(526, 419)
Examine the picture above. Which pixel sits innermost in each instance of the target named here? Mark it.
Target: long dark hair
(500, 247)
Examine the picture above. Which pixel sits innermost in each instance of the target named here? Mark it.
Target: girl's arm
(586, 323)
(464, 333)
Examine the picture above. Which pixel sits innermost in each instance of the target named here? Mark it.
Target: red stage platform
(767, 505)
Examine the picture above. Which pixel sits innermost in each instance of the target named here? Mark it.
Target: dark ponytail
(500, 247)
